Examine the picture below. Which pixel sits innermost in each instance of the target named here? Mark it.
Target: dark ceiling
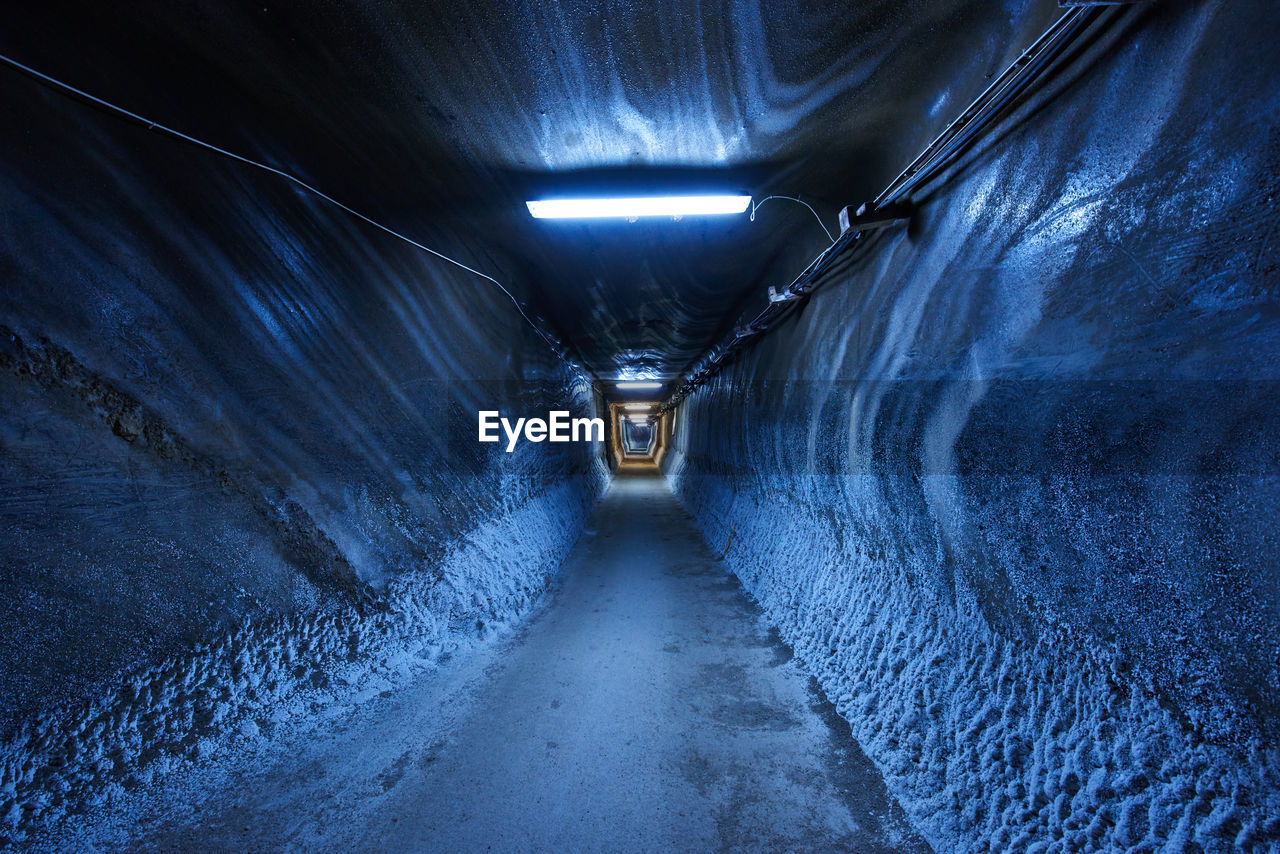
(451, 114)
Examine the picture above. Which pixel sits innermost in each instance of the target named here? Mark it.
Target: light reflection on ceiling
(427, 113)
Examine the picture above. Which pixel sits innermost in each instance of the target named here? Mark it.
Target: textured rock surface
(1010, 484)
(463, 109)
(237, 443)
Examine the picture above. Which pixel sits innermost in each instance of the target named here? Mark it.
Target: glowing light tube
(637, 207)
(638, 384)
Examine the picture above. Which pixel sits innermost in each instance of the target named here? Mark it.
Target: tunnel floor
(646, 706)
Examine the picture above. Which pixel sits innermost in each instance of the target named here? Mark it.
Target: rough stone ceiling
(435, 115)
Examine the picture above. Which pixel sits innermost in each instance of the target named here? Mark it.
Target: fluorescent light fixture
(637, 384)
(637, 407)
(637, 206)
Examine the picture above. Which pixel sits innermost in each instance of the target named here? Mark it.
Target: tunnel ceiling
(451, 114)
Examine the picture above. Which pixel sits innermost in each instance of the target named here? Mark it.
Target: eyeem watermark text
(557, 427)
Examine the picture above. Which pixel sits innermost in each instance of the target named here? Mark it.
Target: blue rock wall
(1009, 483)
(237, 442)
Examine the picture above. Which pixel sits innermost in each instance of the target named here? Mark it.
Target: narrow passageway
(646, 707)
(422, 422)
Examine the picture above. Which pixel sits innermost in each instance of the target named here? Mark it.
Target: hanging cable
(156, 126)
(1012, 84)
(754, 205)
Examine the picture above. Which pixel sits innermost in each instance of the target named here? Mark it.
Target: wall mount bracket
(869, 216)
(784, 295)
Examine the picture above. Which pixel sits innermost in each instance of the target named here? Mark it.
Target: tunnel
(565, 426)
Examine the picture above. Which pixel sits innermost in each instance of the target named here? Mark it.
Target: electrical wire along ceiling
(430, 115)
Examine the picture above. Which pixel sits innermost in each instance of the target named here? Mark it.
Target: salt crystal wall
(237, 442)
(1009, 482)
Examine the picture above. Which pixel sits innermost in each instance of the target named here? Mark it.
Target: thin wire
(153, 125)
(755, 205)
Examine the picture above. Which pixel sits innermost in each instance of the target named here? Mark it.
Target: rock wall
(1009, 483)
(237, 442)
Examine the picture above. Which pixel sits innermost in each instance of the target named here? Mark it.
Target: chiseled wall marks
(1010, 485)
(237, 437)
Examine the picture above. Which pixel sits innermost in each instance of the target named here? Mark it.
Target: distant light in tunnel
(637, 206)
(637, 384)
